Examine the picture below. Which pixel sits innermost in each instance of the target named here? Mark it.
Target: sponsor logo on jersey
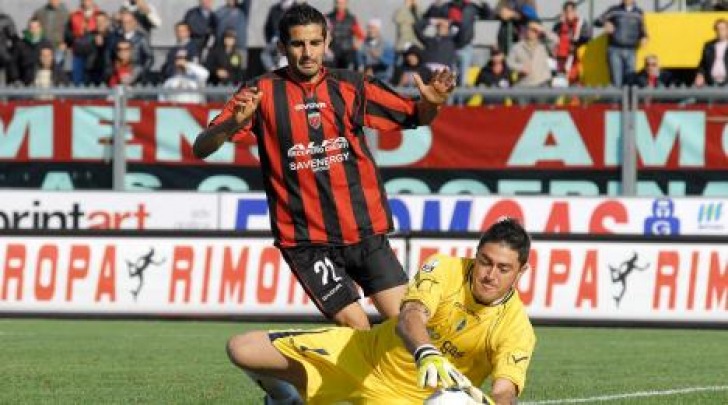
(310, 106)
(301, 149)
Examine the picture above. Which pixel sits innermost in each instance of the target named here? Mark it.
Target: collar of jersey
(306, 85)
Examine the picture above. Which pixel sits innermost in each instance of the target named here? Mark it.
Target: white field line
(641, 394)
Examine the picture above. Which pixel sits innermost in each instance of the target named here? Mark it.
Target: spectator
(124, 70)
(529, 58)
(411, 64)
(376, 55)
(203, 24)
(47, 73)
(713, 66)
(440, 48)
(145, 14)
(182, 32)
(98, 60)
(346, 36)
(625, 26)
(462, 15)
(514, 16)
(53, 18)
(8, 42)
(27, 53)
(188, 75)
(234, 15)
(572, 32)
(404, 19)
(714, 5)
(226, 62)
(271, 58)
(495, 73)
(651, 75)
(438, 9)
(141, 52)
(79, 37)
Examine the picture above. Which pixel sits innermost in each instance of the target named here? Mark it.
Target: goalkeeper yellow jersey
(374, 366)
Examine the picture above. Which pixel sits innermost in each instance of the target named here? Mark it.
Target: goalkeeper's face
(496, 271)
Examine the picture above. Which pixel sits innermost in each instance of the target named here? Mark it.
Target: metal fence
(629, 100)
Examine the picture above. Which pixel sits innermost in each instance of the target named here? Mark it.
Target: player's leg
(279, 376)
(388, 301)
(321, 273)
(375, 267)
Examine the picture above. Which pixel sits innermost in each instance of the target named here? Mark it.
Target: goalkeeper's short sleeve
(430, 282)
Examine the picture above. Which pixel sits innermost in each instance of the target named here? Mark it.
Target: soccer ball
(449, 396)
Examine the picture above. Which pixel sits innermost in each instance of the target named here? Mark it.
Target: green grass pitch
(162, 362)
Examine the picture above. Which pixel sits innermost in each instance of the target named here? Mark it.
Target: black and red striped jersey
(320, 178)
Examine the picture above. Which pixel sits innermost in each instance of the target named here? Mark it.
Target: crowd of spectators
(113, 47)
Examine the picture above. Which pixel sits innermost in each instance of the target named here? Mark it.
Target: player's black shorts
(328, 273)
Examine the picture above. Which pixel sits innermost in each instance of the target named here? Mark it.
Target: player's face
(496, 271)
(305, 51)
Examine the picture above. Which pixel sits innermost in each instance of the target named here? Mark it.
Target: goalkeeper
(461, 322)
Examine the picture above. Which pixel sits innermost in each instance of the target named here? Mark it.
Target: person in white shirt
(189, 75)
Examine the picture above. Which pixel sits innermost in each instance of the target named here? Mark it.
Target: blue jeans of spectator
(621, 64)
(465, 60)
(78, 70)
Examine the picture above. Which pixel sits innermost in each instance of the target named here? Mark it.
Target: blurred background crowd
(80, 43)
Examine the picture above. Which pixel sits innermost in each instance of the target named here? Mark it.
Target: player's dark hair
(300, 14)
(569, 4)
(508, 231)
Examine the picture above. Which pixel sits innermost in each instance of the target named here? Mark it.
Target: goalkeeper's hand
(434, 368)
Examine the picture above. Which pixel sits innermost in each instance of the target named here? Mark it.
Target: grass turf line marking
(640, 394)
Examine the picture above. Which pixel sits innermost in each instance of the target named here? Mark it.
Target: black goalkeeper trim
(425, 351)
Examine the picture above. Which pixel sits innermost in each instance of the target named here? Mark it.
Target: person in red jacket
(79, 37)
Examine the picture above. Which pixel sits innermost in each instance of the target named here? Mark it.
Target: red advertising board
(505, 150)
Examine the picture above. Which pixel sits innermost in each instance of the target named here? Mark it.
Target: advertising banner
(107, 210)
(613, 281)
(476, 150)
(151, 276)
(583, 215)
(567, 280)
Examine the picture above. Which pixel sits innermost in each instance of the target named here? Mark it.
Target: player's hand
(434, 369)
(438, 90)
(246, 102)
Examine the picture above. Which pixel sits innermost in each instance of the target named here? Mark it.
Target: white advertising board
(150, 276)
(662, 216)
(568, 280)
(107, 210)
(613, 281)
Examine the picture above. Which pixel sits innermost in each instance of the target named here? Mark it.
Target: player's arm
(504, 392)
(239, 111)
(433, 94)
(412, 325)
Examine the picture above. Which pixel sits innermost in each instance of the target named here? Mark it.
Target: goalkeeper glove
(432, 367)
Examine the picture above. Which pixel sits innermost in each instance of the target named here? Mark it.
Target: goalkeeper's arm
(433, 368)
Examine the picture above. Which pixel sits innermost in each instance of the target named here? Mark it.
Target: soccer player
(461, 322)
(328, 208)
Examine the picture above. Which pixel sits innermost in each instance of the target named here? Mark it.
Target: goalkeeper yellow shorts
(338, 365)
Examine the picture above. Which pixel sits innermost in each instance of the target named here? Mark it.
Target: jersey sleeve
(512, 349)
(429, 284)
(227, 111)
(385, 109)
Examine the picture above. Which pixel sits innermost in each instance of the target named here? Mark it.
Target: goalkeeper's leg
(276, 374)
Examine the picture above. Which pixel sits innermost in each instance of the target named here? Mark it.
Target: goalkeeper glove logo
(434, 369)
